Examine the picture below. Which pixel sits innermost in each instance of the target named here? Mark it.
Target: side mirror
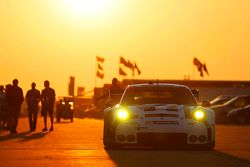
(195, 93)
(205, 103)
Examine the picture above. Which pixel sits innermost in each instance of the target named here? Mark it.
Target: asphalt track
(80, 144)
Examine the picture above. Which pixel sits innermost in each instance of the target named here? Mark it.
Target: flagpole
(95, 71)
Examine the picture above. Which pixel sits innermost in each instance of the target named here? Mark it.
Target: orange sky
(42, 39)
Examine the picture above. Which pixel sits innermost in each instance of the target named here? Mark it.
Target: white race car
(158, 115)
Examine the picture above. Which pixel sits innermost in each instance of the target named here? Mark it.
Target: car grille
(161, 115)
(165, 122)
(162, 139)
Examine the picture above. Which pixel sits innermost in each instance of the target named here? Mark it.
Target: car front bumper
(186, 133)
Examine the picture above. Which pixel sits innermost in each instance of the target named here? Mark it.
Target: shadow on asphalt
(150, 157)
(24, 136)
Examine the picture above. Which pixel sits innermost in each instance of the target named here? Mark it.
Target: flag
(100, 59)
(130, 65)
(121, 72)
(100, 70)
(99, 74)
(197, 62)
(100, 67)
(200, 66)
(205, 69)
(123, 61)
(138, 70)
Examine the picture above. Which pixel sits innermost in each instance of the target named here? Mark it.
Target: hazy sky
(53, 39)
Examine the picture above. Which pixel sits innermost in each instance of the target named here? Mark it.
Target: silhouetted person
(14, 97)
(114, 93)
(32, 99)
(2, 106)
(48, 99)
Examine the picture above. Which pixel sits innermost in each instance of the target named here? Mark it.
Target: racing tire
(207, 147)
(210, 146)
(111, 146)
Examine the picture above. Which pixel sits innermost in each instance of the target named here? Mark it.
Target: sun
(86, 8)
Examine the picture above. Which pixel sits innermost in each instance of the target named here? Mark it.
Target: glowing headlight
(199, 115)
(122, 114)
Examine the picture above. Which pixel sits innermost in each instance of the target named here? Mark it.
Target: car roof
(157, 84)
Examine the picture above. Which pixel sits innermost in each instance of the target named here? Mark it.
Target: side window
(240, 102)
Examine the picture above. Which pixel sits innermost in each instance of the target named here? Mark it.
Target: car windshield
(158, 95)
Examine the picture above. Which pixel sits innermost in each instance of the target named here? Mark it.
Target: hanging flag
(123, 61)
(205, 69)
(100, 59)
(100, 70)
(100, 67)
(99, 75)
(130, 65)
(121, 72)
(200, 66)
(137, 68)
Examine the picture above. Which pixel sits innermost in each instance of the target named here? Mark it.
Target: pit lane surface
(80, 144)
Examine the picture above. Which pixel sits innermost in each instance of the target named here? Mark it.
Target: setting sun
(86, 8)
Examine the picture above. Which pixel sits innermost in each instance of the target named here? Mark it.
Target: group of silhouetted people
(11, 99)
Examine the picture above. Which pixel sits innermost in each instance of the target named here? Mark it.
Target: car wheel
(112, 146)
(241, 120)
(108, 144)
(211, 146)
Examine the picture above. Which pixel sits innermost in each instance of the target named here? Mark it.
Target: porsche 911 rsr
(158, 115)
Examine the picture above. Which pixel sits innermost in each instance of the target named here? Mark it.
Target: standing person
(14, 97)
(114, 94)
(32, 99)
(2, 106)
(115, 91)
(48, 99)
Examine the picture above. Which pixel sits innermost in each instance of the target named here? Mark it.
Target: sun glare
(87, 8)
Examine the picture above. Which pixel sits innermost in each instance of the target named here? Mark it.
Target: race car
(158, 115)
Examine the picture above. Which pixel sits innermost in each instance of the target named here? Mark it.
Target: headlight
(122, 114)
(198, 115)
